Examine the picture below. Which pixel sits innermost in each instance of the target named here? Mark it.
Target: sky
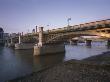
(24, 15)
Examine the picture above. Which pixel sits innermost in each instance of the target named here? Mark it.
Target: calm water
(17, 63)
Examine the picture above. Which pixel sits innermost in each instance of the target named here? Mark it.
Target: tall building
(1, 36)
(6, 36)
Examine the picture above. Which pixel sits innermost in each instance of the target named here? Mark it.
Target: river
(17, 63)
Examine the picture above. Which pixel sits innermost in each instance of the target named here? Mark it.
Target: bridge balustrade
(81, 25)
(92, 27)
(72, 28)
(92, 24)
(107, 25)
(98, 26)
(103, 22)
(86, 25)
(76, 26)
(102, 30)
(107, 21)
(108, 31)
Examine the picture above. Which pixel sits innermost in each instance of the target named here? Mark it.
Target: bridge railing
(91, 25)
(82, 27)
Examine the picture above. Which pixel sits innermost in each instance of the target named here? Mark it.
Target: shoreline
(91, 69)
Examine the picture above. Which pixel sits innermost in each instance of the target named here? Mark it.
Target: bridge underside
(63, 37)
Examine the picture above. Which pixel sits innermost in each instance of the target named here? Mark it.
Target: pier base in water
(88, 42)
(24, 46)
(11, 45)
(74, 42)
(48, 49)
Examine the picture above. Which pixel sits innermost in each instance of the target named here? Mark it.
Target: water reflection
(81, 51)
(14, 64)
(17, 63)
(24, 56)
(45, 61)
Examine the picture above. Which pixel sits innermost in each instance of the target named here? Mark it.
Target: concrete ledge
(11, 45)
(24, 46)
(70, 71)
(48, 49)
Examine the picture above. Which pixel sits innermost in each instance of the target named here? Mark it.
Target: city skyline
(24, 15)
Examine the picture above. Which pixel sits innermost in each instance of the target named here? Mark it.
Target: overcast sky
(24, 15)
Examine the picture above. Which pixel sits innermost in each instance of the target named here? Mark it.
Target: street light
(68, 20)
(48, 28)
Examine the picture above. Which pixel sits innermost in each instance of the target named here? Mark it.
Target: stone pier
(41, 37)
(88, 42)
(11, 44)
(19, 38)
(41, 48)
(23, 46)
(108, 42)
(48, 49)
(74, 42)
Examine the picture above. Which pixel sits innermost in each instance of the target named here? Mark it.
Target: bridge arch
(68, 35)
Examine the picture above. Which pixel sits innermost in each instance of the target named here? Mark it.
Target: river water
(17, 63)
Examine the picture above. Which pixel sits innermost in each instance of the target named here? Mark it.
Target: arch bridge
(98, 28)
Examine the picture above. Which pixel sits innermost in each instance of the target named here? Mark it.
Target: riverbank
(92, 69)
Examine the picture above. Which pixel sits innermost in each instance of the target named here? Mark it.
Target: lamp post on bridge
(68, 20)
(36, 29)
(47, 28)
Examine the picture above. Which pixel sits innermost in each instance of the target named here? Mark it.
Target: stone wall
(48, 49)
(24, 46)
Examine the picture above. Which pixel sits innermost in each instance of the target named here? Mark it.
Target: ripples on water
(81, 51)
(17, 63)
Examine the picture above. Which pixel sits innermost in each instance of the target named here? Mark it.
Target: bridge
(57, 36)
(98, 28)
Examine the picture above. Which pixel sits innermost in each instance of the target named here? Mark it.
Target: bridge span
(60, 35)
(100, 28)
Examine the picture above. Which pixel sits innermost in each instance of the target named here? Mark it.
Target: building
(1, 36)
(13, 35)
(6, 36)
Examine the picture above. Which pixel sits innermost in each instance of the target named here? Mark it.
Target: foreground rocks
(71, 71)
(102, 59)
(87, 70)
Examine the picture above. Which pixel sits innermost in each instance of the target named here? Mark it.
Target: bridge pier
(19, 38)
(74, 42)
(11, 40)
(11, 44)
(41, 37)
(88, 42)
(108, 42)
(23, 46)
(41, 48)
